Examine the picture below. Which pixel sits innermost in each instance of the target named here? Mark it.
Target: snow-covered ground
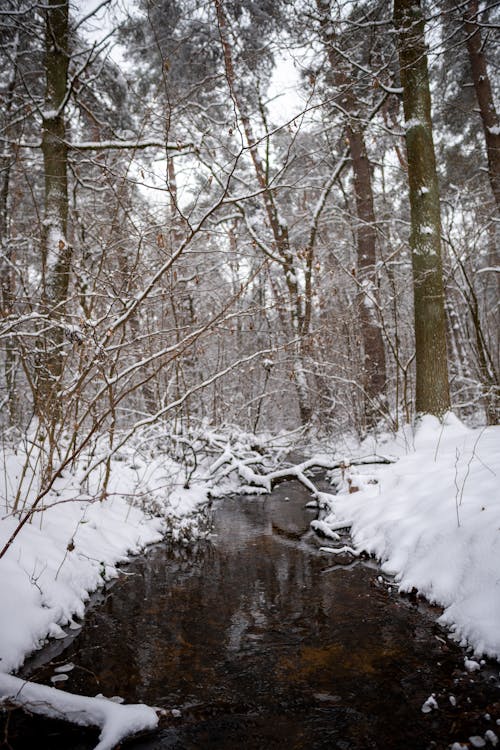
(433, 519)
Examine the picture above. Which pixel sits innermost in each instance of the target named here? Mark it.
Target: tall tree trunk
(374, 370)
(484, 95)
(374, 365)
(432, 386)
(8, 292)
(491, 128)
(55, 248)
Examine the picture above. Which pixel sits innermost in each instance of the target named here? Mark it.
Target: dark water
(262, 641)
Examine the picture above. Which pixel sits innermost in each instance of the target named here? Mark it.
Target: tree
(432, 385)
(280, 250)
(55, 246)
(482, 86)
(351, 98)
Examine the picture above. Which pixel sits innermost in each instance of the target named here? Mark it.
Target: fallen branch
(324, 529)
(341, 550)
(269, 481)
(297, 472)
(116, 721)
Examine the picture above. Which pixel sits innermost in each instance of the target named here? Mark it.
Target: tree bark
(484, 96)
(373, 358)
(374, 369)
(55, 248)
(7, 284)
(432, 385)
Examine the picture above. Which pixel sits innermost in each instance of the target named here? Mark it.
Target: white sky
(284, 88)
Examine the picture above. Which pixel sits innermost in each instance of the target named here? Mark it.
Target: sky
(284, 99)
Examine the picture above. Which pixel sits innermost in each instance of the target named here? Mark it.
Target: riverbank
(92, 520)
(433, 520)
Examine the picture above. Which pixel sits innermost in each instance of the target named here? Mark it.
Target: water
(262, 641)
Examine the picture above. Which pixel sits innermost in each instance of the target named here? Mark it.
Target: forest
(243, 241)
(178, 244)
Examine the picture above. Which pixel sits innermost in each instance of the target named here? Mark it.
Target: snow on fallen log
(338, 525)
(323, 529)
(229, 463)
(341, 551)
(322, 462)
(115, 720)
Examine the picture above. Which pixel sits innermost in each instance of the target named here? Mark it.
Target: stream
(255, 638)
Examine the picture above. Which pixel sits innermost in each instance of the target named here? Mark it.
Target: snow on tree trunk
(432, 386)
(7, 283)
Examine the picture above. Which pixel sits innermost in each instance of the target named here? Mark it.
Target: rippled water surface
(260, 640)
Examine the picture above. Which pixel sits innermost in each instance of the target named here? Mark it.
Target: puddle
(257, 639)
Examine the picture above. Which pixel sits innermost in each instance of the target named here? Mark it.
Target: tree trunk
(484, 95)
(373, 358)
(374, 370)
(432, 386)
(55, 248)
(7, 284)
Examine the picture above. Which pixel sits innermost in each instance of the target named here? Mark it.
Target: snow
(413, 122)
(433, 519)
(471, 665)
(50, 114)
(116, 721)
(323, 529)
(44, 585)
(490, 736)
(489, 269)
(430, 705)
(134, 143)
(477, 741)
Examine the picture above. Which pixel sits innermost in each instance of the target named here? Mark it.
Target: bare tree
(484, 94)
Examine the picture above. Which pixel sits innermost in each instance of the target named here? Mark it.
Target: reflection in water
(263, 641)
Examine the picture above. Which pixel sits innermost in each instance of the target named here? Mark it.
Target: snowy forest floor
(432, 517)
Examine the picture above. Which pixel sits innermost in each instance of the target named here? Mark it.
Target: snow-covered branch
(116, 721)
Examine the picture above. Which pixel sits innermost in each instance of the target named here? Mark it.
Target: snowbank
(52, 566)
(433, 519)
(46, 577)
(75, 544)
